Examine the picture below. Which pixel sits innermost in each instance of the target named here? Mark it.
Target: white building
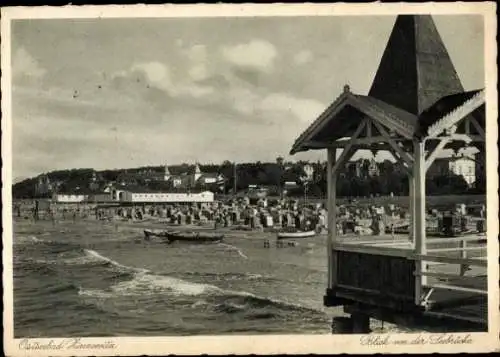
(194, 177)
(117, 194)
(309, 171)
(465, 167)
(461, 166)
(69, 197)
(165, 197)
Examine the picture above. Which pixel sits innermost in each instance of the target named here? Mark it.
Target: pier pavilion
(416, 108)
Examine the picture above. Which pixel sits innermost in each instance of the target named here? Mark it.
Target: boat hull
(295, 235)
(191, 237)
(148, 234)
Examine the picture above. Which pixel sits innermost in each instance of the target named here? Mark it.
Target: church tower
(197, 172)
(166, 174)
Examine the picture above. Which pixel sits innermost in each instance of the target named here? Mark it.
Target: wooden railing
(442, 253)
(441, 256)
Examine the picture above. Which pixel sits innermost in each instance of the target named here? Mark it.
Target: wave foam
(143, 282)
(22, 239)
(95, 293)
(93, 257)
(232, 247)
(221, 300)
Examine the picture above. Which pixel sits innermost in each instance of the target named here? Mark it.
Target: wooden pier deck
(377, 276)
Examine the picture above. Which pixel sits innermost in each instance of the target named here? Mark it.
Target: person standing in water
(35, 211)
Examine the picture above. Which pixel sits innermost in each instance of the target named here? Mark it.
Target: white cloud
(303, 57)
(23, 64)
(257, 54)
(198, 72)
(304, 109)
(157, 74)
(196, 91)
(243, 100)
(197, 53)
(273, 106)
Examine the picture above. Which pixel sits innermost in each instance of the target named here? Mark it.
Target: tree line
(273, 175)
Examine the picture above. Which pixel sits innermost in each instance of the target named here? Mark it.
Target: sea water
(92, 278)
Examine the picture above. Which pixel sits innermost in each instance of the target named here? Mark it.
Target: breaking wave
(143, 284)
(93, 257)
(206, 296)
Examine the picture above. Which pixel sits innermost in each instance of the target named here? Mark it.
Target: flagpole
(234, 175)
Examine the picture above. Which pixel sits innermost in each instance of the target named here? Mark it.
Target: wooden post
(418, 220)
(411, 210)
(332, 218)
(360, 323)
(463, 267)
(342, 325)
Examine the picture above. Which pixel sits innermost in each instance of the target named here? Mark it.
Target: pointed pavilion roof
(415, 87)
(415, 70)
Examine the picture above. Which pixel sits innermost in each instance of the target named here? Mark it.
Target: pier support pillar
(357, 323)
(342, 325)
(360, 323)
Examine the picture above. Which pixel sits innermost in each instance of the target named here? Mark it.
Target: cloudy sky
(116, 93)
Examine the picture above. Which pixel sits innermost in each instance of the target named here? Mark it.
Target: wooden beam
(458, 288)
(405, 168)
(411, 194)
(433, 155)
(373, 249)
(455, 277)
(467, 126)
(375, 112)
(367, 141)
(313, 144)
(332, 218)
(404, 155)
(373, 139)
(341, 143)
(456, 249)
(418, 218)
(368, 130)
(468, 238)
(344, 156)
(382, 243)
(450, 260)
(336, 107)
(347, 152)
(478, 128)
(364, 145)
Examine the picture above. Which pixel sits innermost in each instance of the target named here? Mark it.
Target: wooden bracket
(403, 154)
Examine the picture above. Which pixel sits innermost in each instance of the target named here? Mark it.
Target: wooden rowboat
(148, 234)
(194, 237)
(296, 234)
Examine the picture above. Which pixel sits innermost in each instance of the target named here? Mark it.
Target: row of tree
(351, 183)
